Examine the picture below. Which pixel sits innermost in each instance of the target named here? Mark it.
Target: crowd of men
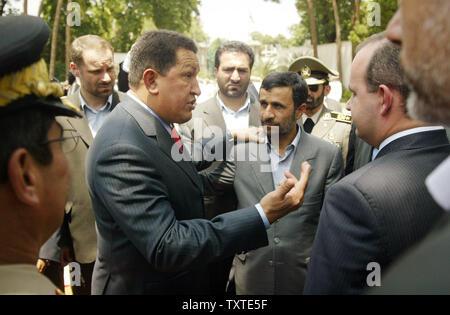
(269, 192)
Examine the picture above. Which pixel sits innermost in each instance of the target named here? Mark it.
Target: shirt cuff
(263, 216)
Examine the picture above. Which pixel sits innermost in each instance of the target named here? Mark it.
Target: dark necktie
(176, 137)
(308, 125)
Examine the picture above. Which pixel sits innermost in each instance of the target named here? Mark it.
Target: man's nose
(235, 75)
(106, 77)
(196, 88)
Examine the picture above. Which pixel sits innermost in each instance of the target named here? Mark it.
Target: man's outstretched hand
(288, 196)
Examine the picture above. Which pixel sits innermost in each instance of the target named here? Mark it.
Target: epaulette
(338, 117)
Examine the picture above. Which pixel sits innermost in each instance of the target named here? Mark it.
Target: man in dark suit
(147, 195)
(280, 267)
(425, 268)
(93, 64)
(374, 214)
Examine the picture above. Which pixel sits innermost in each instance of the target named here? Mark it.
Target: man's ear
(386, 97)
(24, 177)
(215, 72)
(150, 80)
(300, 111)
(75, 70)
(327, 90)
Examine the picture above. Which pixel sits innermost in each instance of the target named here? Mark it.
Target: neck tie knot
(176, 137)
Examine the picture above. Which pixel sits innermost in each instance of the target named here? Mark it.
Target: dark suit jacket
(376, 213)
(424, 269)
(148, 208)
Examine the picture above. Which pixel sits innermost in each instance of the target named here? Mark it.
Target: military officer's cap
(24, 80)
(312, 70)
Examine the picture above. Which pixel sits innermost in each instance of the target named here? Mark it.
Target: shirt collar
(222, 105)
(137, 100)
(406, 132)
(290, 148)
(314, 117)
(84, 105)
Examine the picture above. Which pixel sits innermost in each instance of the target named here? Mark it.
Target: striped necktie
(176, 137)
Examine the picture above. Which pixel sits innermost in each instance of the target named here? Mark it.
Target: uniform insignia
(305, 72)
(338, 117)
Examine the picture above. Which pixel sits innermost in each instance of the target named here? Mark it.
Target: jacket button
(276, 240)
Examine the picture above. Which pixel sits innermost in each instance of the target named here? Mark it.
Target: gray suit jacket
(148, 208)
(209, 119)
(280, 267)
(376, 213)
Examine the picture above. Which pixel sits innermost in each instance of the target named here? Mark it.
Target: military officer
(319, 120)
(34, 173)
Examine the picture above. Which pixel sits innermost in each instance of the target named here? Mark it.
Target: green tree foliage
(270, 40)
(362, 29)
(120, 22)
(326, 30)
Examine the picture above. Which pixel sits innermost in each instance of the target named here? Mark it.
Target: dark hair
(156, 50)
(384, 66)
(234, 46)
(27, 129)
(288, 79)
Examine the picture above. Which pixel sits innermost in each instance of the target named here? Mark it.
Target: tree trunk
(357, 10)
(25, 6)
(2, 6)
(338, 37)
(55, 39)
(41, 7)
(68, 46)
(313, 27)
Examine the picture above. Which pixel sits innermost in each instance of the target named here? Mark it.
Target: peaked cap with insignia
(312, 70)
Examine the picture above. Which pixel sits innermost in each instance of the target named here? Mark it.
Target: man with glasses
(34, 173)
(319, 120)
(93, 64)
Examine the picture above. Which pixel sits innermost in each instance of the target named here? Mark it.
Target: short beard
(314, 103)
(428, 107)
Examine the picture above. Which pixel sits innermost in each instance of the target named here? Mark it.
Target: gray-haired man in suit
(280, 267)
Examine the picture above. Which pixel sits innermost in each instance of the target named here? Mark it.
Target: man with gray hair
(377, 212)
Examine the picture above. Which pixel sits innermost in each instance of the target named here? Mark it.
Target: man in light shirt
(233, 107)
(377, 212)
(93, 64)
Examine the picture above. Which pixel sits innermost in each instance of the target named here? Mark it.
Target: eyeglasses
(69, 140)
(313, 87)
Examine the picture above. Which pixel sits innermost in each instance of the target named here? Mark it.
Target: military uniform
(25, 85)
(335, 128)
(331, 126)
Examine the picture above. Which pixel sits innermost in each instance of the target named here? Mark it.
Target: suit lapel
(213, 115)
(261, 167)
(80, 125)
(254, 118)
(415, 141)
(153, 127)
(304, 152)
